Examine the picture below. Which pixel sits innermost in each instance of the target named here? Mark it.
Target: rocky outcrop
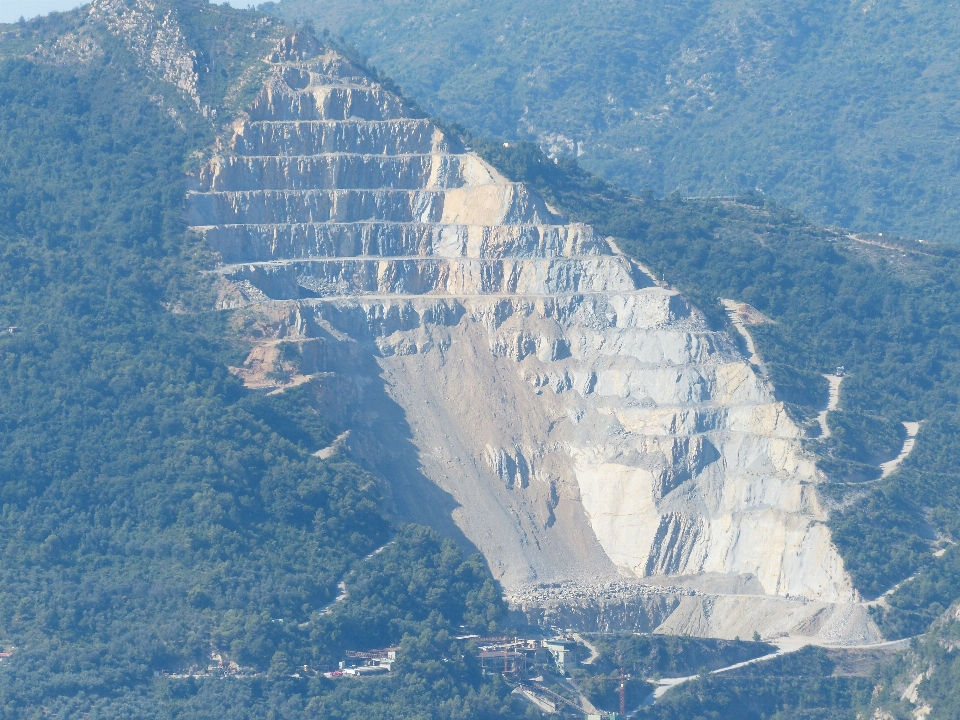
(519, 382)
(156, 39)
(179, 54)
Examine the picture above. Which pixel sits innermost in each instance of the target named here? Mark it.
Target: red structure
(623, 694)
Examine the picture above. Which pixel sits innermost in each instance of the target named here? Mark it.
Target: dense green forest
(795, 686)
(644, 657)
(153, 513)
(669, 656)
(846, 112)
(830, 685)
(932, 666)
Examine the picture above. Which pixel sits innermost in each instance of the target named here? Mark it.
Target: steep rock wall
(523, 383)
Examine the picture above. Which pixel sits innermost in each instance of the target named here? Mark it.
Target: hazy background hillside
(848, 112)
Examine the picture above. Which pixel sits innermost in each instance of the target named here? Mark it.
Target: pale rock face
(157, 41)
(578, 422)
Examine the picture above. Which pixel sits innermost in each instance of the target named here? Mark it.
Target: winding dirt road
(831, 403)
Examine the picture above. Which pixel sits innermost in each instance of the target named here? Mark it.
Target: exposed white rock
(156, 39)
(509, 370)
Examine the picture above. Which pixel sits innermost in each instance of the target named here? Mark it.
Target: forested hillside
(157, 517)
(798, 685)
(847, 112)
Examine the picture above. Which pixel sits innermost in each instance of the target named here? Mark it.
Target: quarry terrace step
(505, 204)
(311, 137)
(328, 103)
(311, 206)
(344, 171)
(426, 275)
(266, 242)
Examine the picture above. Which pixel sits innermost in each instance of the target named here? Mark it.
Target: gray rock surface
(518, 382)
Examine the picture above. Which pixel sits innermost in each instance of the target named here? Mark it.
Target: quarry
(515, 380)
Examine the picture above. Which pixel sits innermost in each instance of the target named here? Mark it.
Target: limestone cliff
(182, 52)
(156, 40)
(514, 377)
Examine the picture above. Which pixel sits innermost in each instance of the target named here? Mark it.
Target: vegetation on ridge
(155, 516)
(641, 657)
(797, 685)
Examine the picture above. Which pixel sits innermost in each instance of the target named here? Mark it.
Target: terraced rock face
(517, 381)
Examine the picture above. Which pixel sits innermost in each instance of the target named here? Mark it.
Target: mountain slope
(157, 517)
(847, 113)
(156, 512)
(579, 422)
